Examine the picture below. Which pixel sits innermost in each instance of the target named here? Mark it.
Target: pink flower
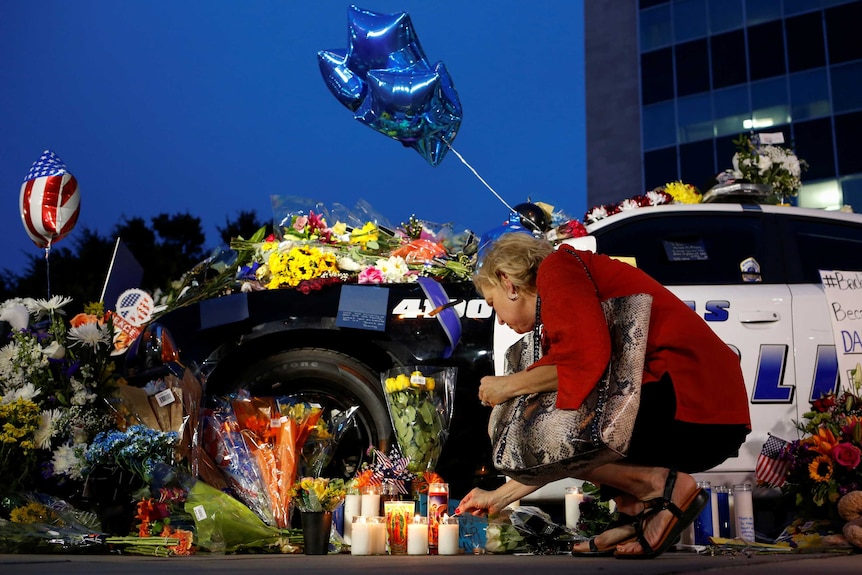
(300, 222)
(847, 455)
(371, 275)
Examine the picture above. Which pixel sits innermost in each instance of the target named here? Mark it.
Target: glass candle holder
(370, 500)
(417, 536)
(448, 536)
(574, 497)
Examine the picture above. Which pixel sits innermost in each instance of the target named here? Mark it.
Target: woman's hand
(481, 502)
(493, 390)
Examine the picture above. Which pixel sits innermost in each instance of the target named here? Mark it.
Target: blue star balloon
(385, 79)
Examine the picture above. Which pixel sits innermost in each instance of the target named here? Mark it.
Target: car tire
(336, 381)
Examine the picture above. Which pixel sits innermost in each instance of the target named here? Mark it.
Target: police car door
(718, 259)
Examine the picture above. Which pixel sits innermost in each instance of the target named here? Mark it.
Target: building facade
(708, 71)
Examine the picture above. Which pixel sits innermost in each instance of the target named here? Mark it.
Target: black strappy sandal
(683, 516)
(622, 520)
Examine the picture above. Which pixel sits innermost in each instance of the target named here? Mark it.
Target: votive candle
(360, 536)
(378, 535)
(417, 536)
(448, 536)
(574, 497)
(370, 503)
(352, 508)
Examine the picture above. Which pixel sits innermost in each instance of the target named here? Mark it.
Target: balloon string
(48, 269)
(475, 173)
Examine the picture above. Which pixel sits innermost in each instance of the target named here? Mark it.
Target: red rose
(823, 404)
(847, 455)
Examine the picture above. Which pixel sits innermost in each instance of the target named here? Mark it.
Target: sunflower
(820, 470)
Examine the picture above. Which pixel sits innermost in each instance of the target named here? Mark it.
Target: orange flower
(363, 478)
(82, 319)
(823, 442)
(420, 484)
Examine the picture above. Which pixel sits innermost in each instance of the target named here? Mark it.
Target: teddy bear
(850, 509)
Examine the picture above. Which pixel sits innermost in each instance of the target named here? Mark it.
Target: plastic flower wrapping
(55, 375)
(40, 523)
(258, 444)
(826, 463)
(420, 401)
(528, 529)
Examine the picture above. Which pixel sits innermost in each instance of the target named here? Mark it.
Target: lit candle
(378, 535)
(360, 536)
(352, 508)
(573, 506)
(448, 536)
(370, 505)
(417, 536)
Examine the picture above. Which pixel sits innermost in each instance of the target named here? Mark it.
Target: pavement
(673, 562)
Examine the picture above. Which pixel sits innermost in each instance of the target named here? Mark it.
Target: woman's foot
(659, 522)
(606, 542)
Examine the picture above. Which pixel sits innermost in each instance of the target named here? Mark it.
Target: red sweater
(705, 372)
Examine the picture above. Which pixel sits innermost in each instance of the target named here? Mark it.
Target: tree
(167, 248)
(244, 226)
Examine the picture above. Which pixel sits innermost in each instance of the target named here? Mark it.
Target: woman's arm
(494, 389)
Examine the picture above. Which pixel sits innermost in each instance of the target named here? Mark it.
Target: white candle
(378, 536)
(361, 537)
(573, 506)
(744, 508)
(370, 505)
(448, 537)
(417, 536)
(352, 508)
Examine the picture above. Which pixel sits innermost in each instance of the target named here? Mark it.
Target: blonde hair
(515, 254)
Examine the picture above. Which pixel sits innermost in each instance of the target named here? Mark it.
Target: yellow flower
(683, 193)
(368, 233)
(820, 470)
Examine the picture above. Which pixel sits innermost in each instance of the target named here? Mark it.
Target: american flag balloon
(50, 200)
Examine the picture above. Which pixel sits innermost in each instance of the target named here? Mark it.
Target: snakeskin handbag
(535, 443)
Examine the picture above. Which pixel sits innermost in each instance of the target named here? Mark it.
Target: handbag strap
(537, 326)
(586, 269)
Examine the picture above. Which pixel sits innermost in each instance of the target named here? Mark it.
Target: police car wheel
(337, 382)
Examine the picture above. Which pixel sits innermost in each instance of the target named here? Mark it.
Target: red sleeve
(576, 336)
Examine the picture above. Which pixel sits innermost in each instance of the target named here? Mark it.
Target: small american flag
(771, 469)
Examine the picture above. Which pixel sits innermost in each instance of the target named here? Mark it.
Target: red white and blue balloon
(50, 200)
(386, 80)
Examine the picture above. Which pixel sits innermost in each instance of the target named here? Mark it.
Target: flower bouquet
(275, 431)
(825, 464)
(318, 494)
(54, 378)
(768, 164)
(420, 401)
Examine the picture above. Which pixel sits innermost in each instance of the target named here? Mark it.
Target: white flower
(347, 264)
(764, 164)
(395, 270)
(27, 392)
(47, 427)
(628, 204)
(41, 307)
(17, 315)
(91, 334)
(67, 460)
(54, 350)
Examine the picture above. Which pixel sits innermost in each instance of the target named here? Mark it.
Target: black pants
(659, 440)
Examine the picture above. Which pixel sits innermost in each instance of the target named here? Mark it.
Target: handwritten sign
(844, 297)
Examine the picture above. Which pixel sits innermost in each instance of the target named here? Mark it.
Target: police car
(751, 272)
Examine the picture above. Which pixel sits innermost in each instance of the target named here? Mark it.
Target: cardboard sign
(844, 297)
